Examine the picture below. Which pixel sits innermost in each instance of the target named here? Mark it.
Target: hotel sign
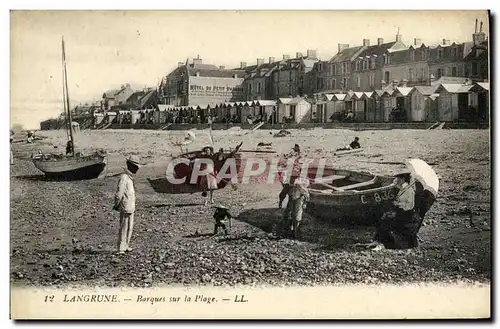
(204, 90)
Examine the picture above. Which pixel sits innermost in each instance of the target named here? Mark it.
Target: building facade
(201, 84)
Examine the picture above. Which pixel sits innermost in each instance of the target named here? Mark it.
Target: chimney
(446, 41)
(271, 60)
(475, 29)
(481, 27)
(286, 57)
(127, 85)
(311, 53)
(243, 65)
(399, 38)
(380, 41)
(298, 55)
(222, 67)
(366, 42)
(417, 41)
(260, 61)
(197, 60)
(343, 46)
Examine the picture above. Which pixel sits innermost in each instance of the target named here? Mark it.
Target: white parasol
(424, 173)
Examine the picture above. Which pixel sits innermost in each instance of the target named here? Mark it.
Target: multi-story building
(291, 76)
(408, 66)
(201, 84)
(116, 97)
(368, 68)
(258, 82)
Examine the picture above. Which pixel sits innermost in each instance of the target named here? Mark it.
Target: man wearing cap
(125, 203)
(392, 230)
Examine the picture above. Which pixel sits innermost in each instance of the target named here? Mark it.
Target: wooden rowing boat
(344, 152)
(350, 197)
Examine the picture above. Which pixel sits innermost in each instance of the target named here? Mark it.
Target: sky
(105, 49)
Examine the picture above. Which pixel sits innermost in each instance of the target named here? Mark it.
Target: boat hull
(71, 168)
(362, 206)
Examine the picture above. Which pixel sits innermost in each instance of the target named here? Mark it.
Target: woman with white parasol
(399, 227)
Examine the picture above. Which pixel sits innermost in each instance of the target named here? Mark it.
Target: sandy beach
(65, 232)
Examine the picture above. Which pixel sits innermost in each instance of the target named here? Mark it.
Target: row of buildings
(367, 68)
(445, 101)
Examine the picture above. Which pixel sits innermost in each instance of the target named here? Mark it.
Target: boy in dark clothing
(355, 144)
(220, 214)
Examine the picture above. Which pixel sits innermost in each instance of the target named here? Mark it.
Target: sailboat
(72, 166)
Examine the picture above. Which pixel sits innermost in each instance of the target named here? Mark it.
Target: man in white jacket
(125, 203)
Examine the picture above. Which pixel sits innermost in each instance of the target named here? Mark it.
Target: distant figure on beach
(125, 203)
(354, 145)
(31, 137)
(69, 148)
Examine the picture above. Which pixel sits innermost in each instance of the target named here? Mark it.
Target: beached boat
(349, 197)
(184, 171)
(74, 165)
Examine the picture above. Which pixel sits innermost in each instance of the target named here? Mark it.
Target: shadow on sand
(75, 251)
(45, 178)
(328, 236)
(162, 185)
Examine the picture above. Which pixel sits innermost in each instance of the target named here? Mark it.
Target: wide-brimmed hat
(134, 159)
(219, 206)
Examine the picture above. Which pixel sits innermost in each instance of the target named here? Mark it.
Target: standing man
(125, 203)
(295, 173)
(297, 200)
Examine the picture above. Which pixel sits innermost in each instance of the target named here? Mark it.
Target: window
(440, 53)
(466, 70)
(365, 65)
(344, 83)
(410, 75)
(290, 77)
(258, 87)
(422, 75)
(320, 67)
(387, 77)
(386, 59)
(478, 69)
(372, 63)
(454, 52)
(334, 72)
(372, 80)
(439, 73)
(412, 55)
(454, 71)
(357, 66)
(358, 82)
(319, 83)
(334, 83)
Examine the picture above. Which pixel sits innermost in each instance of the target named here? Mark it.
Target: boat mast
(66, 120)
(65, 77)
